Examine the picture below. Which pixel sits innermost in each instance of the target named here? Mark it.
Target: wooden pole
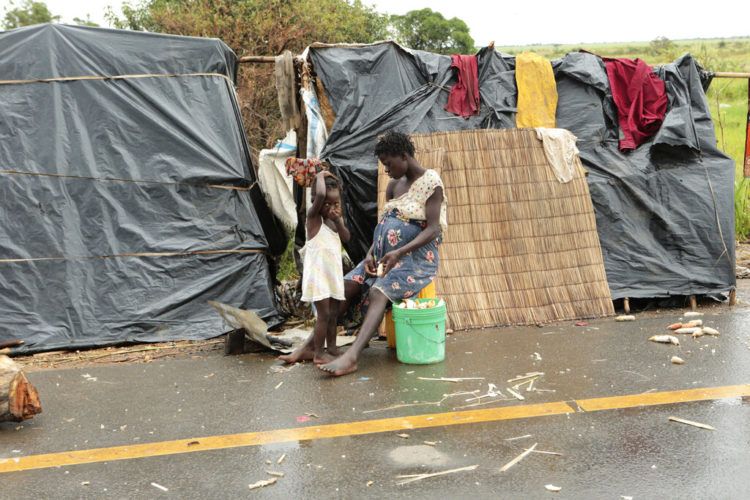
(729, 74)
(257, 59)
(733, 297)
(693, 303)
(626, 305)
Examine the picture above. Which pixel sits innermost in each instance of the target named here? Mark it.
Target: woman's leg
(347, 362)
(306, 352)
(331, 349)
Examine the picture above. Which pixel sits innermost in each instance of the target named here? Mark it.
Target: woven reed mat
(521, 248)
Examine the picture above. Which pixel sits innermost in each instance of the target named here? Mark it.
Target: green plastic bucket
(420, 334)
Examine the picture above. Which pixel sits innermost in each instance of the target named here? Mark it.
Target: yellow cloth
(537, 92)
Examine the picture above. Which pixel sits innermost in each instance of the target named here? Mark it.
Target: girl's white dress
(323, 274)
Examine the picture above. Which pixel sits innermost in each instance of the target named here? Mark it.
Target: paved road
(208, 426)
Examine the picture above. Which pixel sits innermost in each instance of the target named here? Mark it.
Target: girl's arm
(428, 234)
(314, 219)
(341, 228)
(320, 194)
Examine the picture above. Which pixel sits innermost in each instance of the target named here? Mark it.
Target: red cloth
(640, 97)
(464, 97)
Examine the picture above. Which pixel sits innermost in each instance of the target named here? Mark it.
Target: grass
(727, 98)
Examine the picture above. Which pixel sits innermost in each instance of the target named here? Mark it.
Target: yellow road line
(192, 445)
(663, 398)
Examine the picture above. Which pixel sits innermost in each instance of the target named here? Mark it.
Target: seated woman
(405, 243)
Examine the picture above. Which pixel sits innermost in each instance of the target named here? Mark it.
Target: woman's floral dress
(402, 220)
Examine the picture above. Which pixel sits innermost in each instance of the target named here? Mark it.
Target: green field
(727, 97)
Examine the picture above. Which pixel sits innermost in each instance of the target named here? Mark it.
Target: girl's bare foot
(303, 353)
(335, 352)
(323, 358)
(342, 365)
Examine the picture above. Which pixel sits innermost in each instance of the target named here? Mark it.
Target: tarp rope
(111, 77)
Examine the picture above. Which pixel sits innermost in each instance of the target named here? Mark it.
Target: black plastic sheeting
(91, 170)
(665, 212)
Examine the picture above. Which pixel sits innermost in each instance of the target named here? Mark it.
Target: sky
(527, 22)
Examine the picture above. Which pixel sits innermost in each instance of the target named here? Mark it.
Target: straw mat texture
(521, 248)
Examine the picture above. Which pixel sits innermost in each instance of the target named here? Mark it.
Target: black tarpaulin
(126, 202)
(665, 212)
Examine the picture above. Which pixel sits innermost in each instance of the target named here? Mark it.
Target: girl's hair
(394, 143)
(332, 182)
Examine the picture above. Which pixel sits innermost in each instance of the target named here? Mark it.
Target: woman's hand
(371, 267)
(389, 260)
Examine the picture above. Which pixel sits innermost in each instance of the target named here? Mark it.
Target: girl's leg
(331, 348)
(347, 362)
(306, 351)
(323, 308)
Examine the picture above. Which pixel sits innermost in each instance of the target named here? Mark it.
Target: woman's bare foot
(302, 353)
(342, 365)
(323, 358)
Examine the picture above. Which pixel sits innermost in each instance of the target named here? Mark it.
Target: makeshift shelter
(664, 212)
(128, 193)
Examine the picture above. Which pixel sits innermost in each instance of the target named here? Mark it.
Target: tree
(428, 30)
(28, 13)
(661, 45)
(85, 22)
(258, 27)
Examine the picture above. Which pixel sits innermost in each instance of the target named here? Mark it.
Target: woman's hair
(394, 143)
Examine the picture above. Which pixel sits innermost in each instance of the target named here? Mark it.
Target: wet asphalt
(633, 452)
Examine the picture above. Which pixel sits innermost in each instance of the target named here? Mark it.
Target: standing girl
(322, 274)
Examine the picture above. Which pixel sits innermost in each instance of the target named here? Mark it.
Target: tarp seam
(109, 77)
(134, 181)
(142, 254)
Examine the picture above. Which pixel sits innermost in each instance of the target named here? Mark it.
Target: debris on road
(281, 459)
(674, 326)
(410, 478)
(302, 419)
(518, 437)
(283, 368)
(692, 314)
(403, 436)
(279, 385)
(625, 317)
(710, 331)
(19, 399)
(515, 394)
(549, 453)
(450, 379)
(159, 487)
(518, 458)
(690, 422)
(676, 360)
(526, 376)
(370, 483)
(687, 330)
(263, 482)
(581, 323)
(665, 339)
(552, 488)
(430, 443)
(274, 473)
